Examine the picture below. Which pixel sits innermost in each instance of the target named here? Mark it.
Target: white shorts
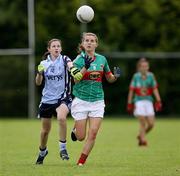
(144, 108)
(81, 109)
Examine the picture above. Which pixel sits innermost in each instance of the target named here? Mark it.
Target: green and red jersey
(143, 86)
(90, 87)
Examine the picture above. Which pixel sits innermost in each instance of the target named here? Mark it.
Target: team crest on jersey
(144, 91)
(52, 69)
(102, 66)
(138, 84)
(94, 75)
(94, 66)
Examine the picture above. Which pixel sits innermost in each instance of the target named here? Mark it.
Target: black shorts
(49, 110)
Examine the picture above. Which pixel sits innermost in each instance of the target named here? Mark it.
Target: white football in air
(85, 14)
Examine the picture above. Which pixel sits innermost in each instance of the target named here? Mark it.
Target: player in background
(56, 97)
(88, 104)
(140, 99)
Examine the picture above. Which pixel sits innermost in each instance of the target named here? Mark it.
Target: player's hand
(158, 106)
(41, 68)
(130, 108)
(75, 73)
(117, 72)
(87, 60)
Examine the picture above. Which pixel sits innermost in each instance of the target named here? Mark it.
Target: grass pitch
(115, 153)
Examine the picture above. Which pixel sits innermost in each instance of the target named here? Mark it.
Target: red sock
(82, 158)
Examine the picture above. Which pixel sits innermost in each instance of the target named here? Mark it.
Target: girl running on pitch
(140, 99)
(88, 104)
(56, 95)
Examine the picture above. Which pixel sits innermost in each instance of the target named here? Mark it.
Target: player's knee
(45, 132)
(151, 125)
(142, 124)
(62, 120)
(80, 137)
(92, 134)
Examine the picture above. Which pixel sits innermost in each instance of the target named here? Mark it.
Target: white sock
(62, 145)
(42, 152)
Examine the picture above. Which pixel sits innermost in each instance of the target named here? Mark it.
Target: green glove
(76, 74)
(41, 68)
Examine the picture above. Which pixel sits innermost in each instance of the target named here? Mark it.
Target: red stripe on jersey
(143, 91)
(134, 88)
(131, 88)
(108, 73)
(93, 75)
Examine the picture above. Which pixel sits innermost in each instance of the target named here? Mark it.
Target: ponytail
(80, 49)
(45, 55)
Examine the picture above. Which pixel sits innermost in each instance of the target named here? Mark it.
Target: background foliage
(132, 25)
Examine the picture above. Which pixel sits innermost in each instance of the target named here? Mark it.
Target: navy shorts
(49, 110)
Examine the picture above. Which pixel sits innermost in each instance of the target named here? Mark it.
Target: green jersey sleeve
(78, 62)
(106, 66)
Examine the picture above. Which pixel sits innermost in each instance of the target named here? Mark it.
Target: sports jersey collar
(49, 57)
(143, 76)
(83, 54)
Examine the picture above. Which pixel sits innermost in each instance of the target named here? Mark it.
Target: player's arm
(76, 73)
(39, 76)
(70, 65)
(130, 105)
(158, 103)
(39, 79)
(130, 96)
(156, 94)
(110, 77)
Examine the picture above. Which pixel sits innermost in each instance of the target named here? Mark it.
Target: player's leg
(79, 131)
(96, 114)
(150, 116)
(62, 112)
(46, 127)
(94, 125)
(142, 131)
(79, 112)
(140, 113)
(150, 123)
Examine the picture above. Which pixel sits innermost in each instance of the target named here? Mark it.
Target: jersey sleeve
(154, 82)
(107, 70)
(78, 62)
(46, 63)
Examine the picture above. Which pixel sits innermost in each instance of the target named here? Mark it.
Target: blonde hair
(80, 47)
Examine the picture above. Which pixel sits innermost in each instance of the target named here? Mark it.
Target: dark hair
(80, 46)
(48, 46)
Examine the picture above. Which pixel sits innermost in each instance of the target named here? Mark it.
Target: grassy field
(115, 154)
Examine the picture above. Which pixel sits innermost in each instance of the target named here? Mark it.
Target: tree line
(132, 25)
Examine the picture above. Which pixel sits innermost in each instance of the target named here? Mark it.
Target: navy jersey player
(56, 99)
